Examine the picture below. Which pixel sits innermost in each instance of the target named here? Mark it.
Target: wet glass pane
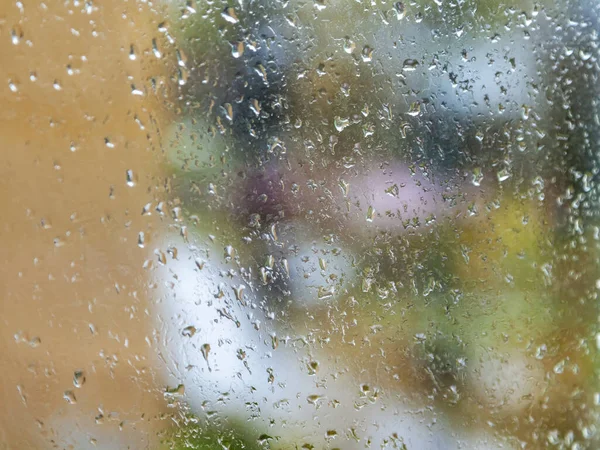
(300, 224)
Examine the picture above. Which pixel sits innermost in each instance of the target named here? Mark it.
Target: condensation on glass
(300, 224)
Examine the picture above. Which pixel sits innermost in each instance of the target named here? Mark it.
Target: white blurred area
(285, 385)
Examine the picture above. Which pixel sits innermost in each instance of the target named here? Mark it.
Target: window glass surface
(300, 224)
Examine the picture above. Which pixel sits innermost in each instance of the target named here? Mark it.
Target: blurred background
(300, 224)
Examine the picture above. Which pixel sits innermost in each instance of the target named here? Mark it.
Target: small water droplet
(255, 107)
(237, 49)
(12, 85)
(322, 264)
(136, 91)
(130, 178)
(420, 337)
(314, 399)
(141, 239)
(400, 10)
(559, 367)
(349, 45)
(69, 396)
(161, 257)
(229, 15)
(370, 214)
(414, 109)
(313, 367)
(286, 267)
(340, 123)
(393, 191)
(325, 292)
(345, 186)
(16, 35)
(320, 5)
(503, 175)
(78, 378)
(410, 65)
(541, 351)
(367, 54)
(205, 349)
(477, 176)
(239, 292)
(155, 49)
(189, 331)
(177, 391)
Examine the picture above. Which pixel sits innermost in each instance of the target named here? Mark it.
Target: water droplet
(78, 378)
(286, 267)
(155, 49)
(255, 107)
(16, 35)
(345, 186)
(313, 367)
(420, 337)
(400, 10)
(12, 85)
(189, 331)
(237, 49)
(370, 214)
(136, 91)
(177, 391)
(340, 123)
(477, 176)
(239, 292)
(322, 264)
(130, 178)
(320, 5)
(503, 175)
(228, 110)
(367, 54)
(393, 191)
(132, 55)
(229, 15)
(141, 239)
(414, 109)
(69, 397)
(263, 440)
(205, 349)
(559, 367)
(260, 70)
(349, 45)
(161, 257)
(410, 65)
(325, 292)
(314, 399)
(585, 55)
